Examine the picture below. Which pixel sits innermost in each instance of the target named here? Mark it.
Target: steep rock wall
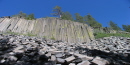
(49, 28)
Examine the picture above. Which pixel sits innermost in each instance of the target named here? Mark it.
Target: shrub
(101, 35)
(52, 38)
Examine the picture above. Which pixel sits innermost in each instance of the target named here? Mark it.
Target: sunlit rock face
(54, 28)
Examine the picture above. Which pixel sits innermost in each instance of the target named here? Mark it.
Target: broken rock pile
(24, 50)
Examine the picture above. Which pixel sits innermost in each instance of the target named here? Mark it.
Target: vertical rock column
(50, 28)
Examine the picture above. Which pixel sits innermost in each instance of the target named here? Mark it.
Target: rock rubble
(24, 50)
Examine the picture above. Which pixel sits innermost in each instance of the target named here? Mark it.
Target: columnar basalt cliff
(49, 28)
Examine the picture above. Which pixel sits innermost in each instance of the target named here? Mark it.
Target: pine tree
(91, 21)
(126, 28)
(57, 11)
(30, 17)
(67, 16)
(20, 15)
(78, 18)
(114, 26)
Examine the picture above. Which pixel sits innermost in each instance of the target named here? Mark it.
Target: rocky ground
(23, 50)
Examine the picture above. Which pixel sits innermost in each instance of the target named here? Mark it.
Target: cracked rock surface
(24, 50)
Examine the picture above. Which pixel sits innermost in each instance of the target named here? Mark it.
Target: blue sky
(103, 11)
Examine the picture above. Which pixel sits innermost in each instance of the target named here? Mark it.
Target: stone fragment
(2, 61)
(70, 58)
(84, 63)
(60, 60)
(11, 39)
(20, 62)
(53, 58)
(77, 60)
(19, 47)
(12, 53)
(58, 64)
(12, 58)
(24, 58)
(54, 51)
(6, 40)
(25, 43)
(49, 44)
(18, 51)
(72, 64)
(83, 56)
(43, 58)
(41, 52)
(58, 55)
(48, 54)
(49, 63)
(100, 61)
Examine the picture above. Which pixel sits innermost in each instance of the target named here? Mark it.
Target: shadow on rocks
(113, 58)
(29, 57)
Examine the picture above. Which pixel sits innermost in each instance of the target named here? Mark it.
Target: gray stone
(72, 64)
(18, 51)
(83, 56)
(12, 58)
(11, 53)
(60, 60)
(84, 63)
(48, 54)
(19, 47)
(49, 44)
(59, 55)
(70, 58)
(2, 61)
(58, 64)
(53, 58)
(100, 61)
(11, 39)
(25, 43)
(41, 52)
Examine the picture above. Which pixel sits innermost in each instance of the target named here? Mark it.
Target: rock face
(50, 28)
(24, 50)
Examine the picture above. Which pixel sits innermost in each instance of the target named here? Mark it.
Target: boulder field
(24, 50)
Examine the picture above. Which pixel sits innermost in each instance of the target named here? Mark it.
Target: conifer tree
(114, 26)
(78, 18)
(57, 11)
(126, 28)
(67, 16)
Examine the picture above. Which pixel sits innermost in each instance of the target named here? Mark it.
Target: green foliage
(44, 37)
(88, 19)
(67, 16)
(126, 28)
(30, 34)
(91, 21)
(30, 17)
(52, 38)
(57, 11)
(13, 33)
(78, 18)
(24, 15)
(20, 15)
(114, 26)
(101, 35)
